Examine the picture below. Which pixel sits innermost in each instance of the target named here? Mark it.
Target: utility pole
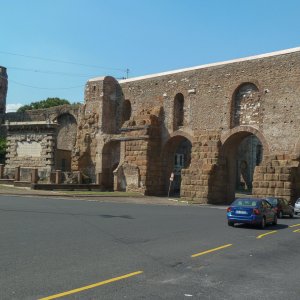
(127, 73)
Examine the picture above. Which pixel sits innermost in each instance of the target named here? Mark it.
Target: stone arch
(245, 105)
(110, 162)
(244, 131)
(241, 156)
(55, 112)
(65, 140)
(176, 155)
(178, 111)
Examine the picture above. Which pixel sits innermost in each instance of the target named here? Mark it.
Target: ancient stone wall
(262, 94)
(129, 131)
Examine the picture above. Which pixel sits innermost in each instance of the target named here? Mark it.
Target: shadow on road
(269, 227)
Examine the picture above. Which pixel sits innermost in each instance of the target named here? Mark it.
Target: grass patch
(98, 193)
(6, 186)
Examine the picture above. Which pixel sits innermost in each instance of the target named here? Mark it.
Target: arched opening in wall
(178, 113)
(66, 138)
(126, 111)
(111, 105)
(245, 108)
(243, 152)
(176, 156)
(110, 161)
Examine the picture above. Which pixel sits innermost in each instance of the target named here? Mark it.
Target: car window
(245, 202)
(268, 205)
(273, 201)
(265, 204)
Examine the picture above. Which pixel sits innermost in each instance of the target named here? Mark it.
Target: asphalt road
(49, 248)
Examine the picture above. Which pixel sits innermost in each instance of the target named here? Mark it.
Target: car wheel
(230, 223)
(275, 220)
(296, 213)
(291, 215)
(263, 223)
(280, 215)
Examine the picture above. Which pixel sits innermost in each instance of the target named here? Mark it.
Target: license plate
(241, 212)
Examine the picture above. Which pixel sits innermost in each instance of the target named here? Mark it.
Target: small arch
(245, 105)
(178, 111)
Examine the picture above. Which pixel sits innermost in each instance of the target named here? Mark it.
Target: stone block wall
(278, 175)
(204, 181)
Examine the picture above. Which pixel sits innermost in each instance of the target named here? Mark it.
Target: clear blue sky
(145, 36)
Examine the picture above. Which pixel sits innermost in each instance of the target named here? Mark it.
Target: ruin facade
(202, 133)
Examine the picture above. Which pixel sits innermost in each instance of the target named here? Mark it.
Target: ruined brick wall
(218, 105)
(209, 91)
(252, 95)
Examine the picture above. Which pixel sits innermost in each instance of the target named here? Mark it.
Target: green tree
(2, 149)
(49, 102)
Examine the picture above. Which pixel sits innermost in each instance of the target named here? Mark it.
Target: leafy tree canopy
(49, 102)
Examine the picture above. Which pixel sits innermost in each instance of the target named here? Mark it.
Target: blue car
(256, 211)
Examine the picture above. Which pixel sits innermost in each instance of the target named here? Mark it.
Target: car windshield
(245, 202)
(298, 201)
(272, 201)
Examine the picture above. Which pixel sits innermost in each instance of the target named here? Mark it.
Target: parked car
(282, 206)
(256, 211)
(297, 207)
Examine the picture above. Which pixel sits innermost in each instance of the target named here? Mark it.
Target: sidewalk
(117, 197)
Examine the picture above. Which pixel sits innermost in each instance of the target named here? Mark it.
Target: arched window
(178, 114)
(126, 110)
(245, 105)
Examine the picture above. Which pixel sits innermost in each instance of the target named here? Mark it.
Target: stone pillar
(58, 177)
(99, 178)
(1, 171)
(34, 175)
(17, 173)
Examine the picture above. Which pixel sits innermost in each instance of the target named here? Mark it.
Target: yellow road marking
(211, 250)
(91, 286)
(262, 235)
(294, 225)
(297, 230)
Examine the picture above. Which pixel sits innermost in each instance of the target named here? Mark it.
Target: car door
(268, 211)
(287, 207)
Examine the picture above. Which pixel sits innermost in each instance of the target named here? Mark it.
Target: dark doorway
(177, 156)
(243, 152)
(110, 161)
